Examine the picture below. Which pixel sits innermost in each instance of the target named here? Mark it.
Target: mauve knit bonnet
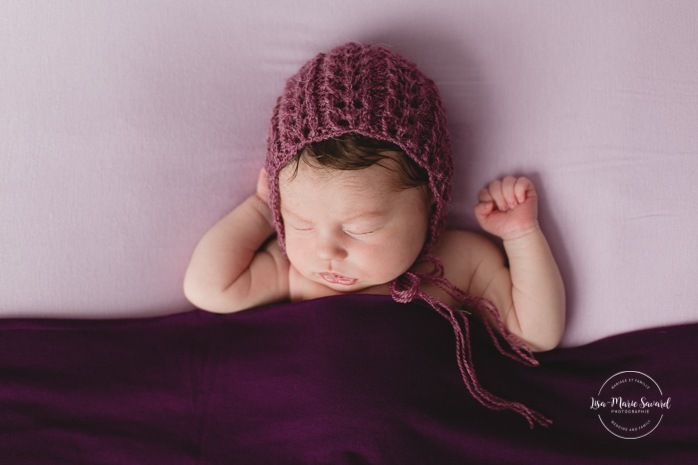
(371, 91)
(366, 90)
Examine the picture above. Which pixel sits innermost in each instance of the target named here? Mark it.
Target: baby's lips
(335, 278)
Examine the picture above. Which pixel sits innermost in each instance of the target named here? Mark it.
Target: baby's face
(350, 230)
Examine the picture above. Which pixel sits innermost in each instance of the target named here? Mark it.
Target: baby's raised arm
(235, 266)
(529, 294)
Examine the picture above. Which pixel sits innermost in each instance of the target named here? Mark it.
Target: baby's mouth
(335, 278)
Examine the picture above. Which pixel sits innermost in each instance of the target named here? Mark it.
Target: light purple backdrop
(128, 128)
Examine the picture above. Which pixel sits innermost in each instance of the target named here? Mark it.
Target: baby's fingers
(484, 207)
(509, 192)
(501, 193)
(523, 189)
(484, 195)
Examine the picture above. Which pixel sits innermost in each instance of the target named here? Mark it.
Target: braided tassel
(407, 288)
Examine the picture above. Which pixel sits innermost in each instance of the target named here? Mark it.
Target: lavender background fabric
(127, 128)
(339, 380)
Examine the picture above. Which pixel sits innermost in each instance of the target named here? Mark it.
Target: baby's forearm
(227, 249)
(537, 290)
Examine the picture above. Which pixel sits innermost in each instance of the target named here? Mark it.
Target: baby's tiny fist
(507, 207)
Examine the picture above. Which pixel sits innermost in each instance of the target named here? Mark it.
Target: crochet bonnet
(369, 91)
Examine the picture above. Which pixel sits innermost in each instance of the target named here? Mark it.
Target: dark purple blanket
(340, 380)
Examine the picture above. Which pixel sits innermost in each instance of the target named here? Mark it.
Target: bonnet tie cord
(407, 288)
(521, 353)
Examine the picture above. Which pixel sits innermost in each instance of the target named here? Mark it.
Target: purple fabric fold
(341, 380)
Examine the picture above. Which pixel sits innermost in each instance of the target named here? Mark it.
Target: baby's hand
(508, 208)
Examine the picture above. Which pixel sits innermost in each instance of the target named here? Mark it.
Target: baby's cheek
(394, 258)
(295, 252)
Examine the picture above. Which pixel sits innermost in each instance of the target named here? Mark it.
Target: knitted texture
(370, 91)
(373, 92)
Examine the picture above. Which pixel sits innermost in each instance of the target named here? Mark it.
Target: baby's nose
(329, 247)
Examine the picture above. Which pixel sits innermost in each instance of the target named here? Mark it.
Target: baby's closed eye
(361, 230)
(300, 227)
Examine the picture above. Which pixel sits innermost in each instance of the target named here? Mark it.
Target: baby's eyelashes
(361, 232)
(354, 232)
(300, 228)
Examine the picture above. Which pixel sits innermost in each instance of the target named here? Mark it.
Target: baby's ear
(262, 185)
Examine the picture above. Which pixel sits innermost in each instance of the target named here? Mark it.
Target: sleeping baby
(355, 188)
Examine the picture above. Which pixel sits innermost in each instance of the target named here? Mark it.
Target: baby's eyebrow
(287, 212)
(370, 214)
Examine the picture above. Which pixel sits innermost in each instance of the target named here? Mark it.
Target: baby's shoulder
(463, 244)
(462, 254)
